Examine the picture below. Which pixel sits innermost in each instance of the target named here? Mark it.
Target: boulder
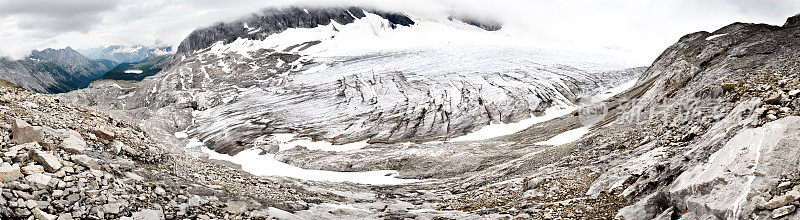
(780, 212)
(39, 178)
(9, 172)
(22, 132)
(41, 215)
(50, 162)
(32, 169)
(112, 208)
(779, 201)
(86, 161)
(73, 144)
(794, 93)
(148, 214)
(104, 133)
(65, 216)
(236, 207)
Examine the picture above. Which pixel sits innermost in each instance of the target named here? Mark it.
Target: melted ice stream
(267, 165)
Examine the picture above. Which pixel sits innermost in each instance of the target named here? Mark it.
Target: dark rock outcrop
(793, 21)
(483, 24)
(271, 21)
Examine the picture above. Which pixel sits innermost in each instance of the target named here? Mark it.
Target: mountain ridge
(52, 70)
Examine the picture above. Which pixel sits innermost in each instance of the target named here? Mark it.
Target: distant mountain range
(125, 54)
(63, 70)
(53, 70)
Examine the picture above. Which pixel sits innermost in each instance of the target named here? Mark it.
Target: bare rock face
(272, 21)
(22, 132)
(793, 21)
(718, 167)
(752, 161)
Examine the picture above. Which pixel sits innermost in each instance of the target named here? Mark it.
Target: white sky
(639, 29)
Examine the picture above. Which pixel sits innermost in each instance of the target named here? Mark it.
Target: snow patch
(181, 135)
(134, 71)
(566, 137)
(267, 165)
(288, 141)
(614, 91)
(497, 130)
(715, 36)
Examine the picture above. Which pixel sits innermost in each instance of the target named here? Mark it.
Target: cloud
(639, 28)
(57, 16)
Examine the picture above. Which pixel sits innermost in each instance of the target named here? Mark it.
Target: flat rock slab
(73, 145)
(86, 161)
(50, 162)
(780, 212)
(104, 133)
(22, 132)
(38, 179)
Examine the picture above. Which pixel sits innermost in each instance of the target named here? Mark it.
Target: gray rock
(117, 146)
(281, 214)
(41, 215)
(112, 208)
(772, 117)
(50, 162)
(794, 93)
(22, 132)
(784, 185)
(31, 204)
(9, 172)
(86, 161)
(39, 178)
(104, 133)
(32, 169)
(65, 216)
(134, 176)
(58, 193)
(782, 211)
(73, 144)
(236, 207)
(779, 201)
(73, 197)
(148, 214)
(160, 191)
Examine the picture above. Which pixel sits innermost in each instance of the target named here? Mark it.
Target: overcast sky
(640, 29)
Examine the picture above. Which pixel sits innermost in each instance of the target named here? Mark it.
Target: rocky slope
(52, 71)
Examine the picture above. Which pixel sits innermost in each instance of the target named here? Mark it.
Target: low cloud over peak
(640, 28)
